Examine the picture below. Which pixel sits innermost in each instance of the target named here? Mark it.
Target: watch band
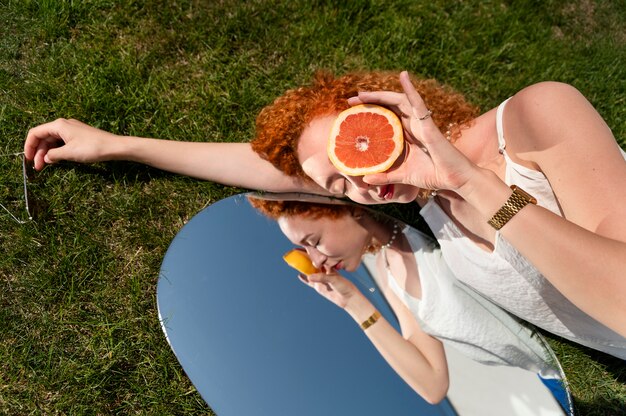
(518, 200)
(370, 321)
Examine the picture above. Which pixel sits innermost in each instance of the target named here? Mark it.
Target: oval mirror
(253, 339)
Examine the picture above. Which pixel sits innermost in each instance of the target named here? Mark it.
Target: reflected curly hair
(280, 124)
(314, 210)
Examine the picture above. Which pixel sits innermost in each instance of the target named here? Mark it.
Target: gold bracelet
(518, 200)
(370, 321)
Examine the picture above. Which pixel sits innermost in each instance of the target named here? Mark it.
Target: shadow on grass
(120, 171)
(606, 395)
(599, 407)
(602, 405)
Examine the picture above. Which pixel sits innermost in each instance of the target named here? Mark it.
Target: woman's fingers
(325, 281)
(322, 278)
(415, 159)
(394, 101)
(385, 178)
(388, 99)
(48, 132)
(408, 106)
(415, 100)
(421, 121)
(40, 154)
(333, 287)
(40, 140)
(320, 287)
(59, 153)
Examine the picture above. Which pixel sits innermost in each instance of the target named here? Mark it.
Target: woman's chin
(351, 268)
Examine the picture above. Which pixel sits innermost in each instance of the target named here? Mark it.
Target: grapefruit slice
(300, 261)
(365, 139)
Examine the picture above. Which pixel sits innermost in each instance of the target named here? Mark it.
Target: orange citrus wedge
(300, 261)
(365, 139)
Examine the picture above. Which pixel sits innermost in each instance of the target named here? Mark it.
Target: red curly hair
(280, 124)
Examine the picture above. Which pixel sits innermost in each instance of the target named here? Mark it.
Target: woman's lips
(386, 192)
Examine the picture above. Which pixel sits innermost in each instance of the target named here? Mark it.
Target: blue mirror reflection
(255, 340)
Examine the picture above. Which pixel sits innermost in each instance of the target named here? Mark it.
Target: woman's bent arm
(583, 255)
(552, 128)
(416, 356)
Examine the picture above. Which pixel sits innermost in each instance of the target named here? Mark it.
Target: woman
(418, 286)
(559, 258)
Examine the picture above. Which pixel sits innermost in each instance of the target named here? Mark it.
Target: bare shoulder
(554, 127)
(548, 113)
(546, 94)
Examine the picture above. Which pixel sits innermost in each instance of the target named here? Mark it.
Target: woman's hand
(333, 287)
(67, 140)
(431, 161)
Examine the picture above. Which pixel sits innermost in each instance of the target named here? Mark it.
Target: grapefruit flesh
(300, 261)
(365, 139)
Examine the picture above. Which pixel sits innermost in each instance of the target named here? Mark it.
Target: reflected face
(332, 244)
(315, 163)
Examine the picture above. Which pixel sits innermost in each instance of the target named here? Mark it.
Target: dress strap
(499, 128)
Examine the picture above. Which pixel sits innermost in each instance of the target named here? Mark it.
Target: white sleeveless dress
(463, 319)
(511, 281)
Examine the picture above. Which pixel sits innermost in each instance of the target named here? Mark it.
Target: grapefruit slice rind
(300, 261)
(365, 139)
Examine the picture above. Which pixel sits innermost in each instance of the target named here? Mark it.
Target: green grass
(80, 333)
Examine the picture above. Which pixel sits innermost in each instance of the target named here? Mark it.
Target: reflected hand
(332, 286)
(431, 161)
(67, 140)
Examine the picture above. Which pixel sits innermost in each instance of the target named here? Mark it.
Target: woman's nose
(317, 258)
(359, 188)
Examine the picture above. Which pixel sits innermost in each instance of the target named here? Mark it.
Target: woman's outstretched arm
(234, 164)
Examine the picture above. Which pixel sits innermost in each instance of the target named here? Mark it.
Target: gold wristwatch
(518, 200)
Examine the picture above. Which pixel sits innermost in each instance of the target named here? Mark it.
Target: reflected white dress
(465, 320)
(511, 281)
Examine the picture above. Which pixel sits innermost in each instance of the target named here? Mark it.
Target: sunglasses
(25, 169)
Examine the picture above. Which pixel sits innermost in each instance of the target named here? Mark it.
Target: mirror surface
(253, 339)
